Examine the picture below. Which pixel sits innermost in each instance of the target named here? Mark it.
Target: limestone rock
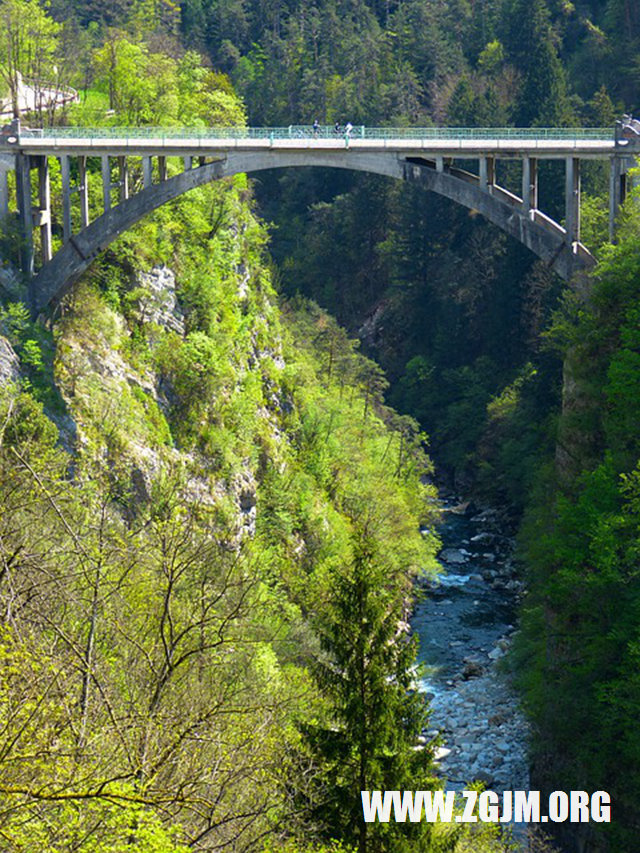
(160, 305)
(9, 363)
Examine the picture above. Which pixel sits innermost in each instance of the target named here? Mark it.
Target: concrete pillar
(572, 199)
(534, 184)
(188, 162)
(439, 164)
(123, 178)
(106, 182)
(44, 197)
(66, 198)
(487, 173)
(529, 185)
(83, 191)
(162, 168)
(4, 194)
(483, 173)
(147, 176)
(25, 213)
(202, 161)
(617, 192)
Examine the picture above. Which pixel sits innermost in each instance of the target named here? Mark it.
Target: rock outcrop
(9, 363)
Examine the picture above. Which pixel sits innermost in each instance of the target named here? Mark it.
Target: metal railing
(605, 134)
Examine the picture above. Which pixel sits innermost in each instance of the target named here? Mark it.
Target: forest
(219, 455)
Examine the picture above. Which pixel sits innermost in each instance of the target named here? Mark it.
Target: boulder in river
(485, 538)
(461, 508)
(472, 669)
(453, 555)
(440, 753)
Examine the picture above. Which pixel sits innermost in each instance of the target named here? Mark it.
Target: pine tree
(369, 742)
(542, 99)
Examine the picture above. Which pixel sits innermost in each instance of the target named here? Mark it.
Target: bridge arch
(541, 235)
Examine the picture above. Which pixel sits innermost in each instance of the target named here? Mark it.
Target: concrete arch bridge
(459, 164)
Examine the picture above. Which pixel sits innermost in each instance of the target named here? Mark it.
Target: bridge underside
(519, 217)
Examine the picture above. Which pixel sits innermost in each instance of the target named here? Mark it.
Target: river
(465, 623)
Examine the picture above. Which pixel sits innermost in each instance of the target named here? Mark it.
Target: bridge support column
(188, 162)
(162, 168)
(617, 193)
(25, 211)
(123, 178)
(572, 199)
(106, 182)
(44, 196)
(66, 198)
(146, 172)
(487, 173)
(530, 185)
(83, 191)
(4, 194)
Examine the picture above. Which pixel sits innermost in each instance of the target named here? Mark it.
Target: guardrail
(325, 132)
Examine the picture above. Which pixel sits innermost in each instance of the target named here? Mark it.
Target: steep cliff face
(126, 407)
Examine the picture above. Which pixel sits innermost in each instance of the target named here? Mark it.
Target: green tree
(28, 49)
(542, 97)
(369, 740)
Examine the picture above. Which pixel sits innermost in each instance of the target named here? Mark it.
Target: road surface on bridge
(547, 143)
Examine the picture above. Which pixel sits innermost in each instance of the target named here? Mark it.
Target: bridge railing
(324, 132)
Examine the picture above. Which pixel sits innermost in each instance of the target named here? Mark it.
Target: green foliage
(29, 48)
(146, 87)
(142, 637)
(292, 426)
(224, 457)
(491, 57)
(595, 223)
(578, 649)
(368, 742)
(542, 98)
(34, 346)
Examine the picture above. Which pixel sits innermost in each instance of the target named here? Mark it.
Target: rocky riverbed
(465, 624)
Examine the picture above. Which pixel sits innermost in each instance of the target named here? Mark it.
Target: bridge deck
(586, 143)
